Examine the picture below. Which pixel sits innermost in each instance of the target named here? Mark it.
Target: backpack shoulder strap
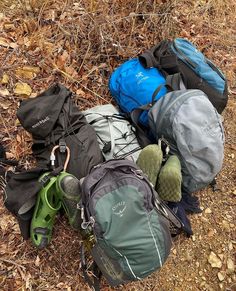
(141, 132)
(175, 81)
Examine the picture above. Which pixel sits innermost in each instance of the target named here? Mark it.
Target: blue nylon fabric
(203, 69)
(132, 86)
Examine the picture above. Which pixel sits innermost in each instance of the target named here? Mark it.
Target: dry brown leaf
(9, 26)
(71, 72)
(27, 72)
(5, 79)
(37, 261)
(5, 104)
(4, 92)
(5, 43)
(62, 60)
(18, 138)
(80, 92)
(22, 89)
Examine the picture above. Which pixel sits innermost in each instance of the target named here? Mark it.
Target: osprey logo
(42, 121)
(119, 208)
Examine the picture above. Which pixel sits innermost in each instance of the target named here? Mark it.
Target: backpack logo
(119, 208)
(42, 121)
(140, 77)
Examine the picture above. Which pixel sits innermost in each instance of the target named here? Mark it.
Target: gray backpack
(115, 135)
(129, 224)
(194, 131)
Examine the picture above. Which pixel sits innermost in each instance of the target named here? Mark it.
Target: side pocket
(109, 263)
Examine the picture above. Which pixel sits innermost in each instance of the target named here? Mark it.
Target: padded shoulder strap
(175, 81)
(141, 132)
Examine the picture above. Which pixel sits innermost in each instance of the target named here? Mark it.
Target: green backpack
(130, 226)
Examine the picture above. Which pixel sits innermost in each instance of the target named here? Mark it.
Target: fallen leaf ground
(79, 43)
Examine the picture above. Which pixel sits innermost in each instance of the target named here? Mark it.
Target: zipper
(186, 59)
(191, 63)
(214, 68)
(137, 177)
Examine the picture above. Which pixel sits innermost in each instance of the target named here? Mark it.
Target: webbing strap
(168, 214)
(175, 81)
(95, 284)
(112, 137)
(135, 114)
(44, 180)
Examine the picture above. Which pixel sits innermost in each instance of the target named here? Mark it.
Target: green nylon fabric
(131, 235)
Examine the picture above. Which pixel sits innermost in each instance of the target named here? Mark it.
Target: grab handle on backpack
(150, 58)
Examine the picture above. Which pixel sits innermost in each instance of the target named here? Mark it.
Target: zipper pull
(85, 224)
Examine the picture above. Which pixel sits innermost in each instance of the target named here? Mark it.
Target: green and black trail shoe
(69, 191)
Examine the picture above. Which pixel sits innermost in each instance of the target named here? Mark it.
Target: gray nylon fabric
(192, 126)
(118, 131)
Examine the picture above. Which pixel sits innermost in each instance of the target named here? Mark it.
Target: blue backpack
(180, 56)
(133, 86)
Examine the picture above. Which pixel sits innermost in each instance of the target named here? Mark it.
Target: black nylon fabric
(52, 116)
(39, 115)
(21, 188)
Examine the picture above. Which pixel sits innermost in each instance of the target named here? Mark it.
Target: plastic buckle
(62, 146)
(138, 173)
(44, 180)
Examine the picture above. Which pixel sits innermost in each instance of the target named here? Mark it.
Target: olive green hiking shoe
(69, 191)
(149, 161)
(169, 180)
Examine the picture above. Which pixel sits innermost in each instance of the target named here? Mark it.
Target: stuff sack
(133, 86)
(198, 72)
(115, 135)
(129, 223)
(53, 120)
(194, 131)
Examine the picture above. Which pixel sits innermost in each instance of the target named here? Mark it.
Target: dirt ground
(79, 43)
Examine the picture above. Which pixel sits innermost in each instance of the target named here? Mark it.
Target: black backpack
(57, 126)
(56, 123)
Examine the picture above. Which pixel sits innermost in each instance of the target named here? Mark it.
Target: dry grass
(79, 43)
